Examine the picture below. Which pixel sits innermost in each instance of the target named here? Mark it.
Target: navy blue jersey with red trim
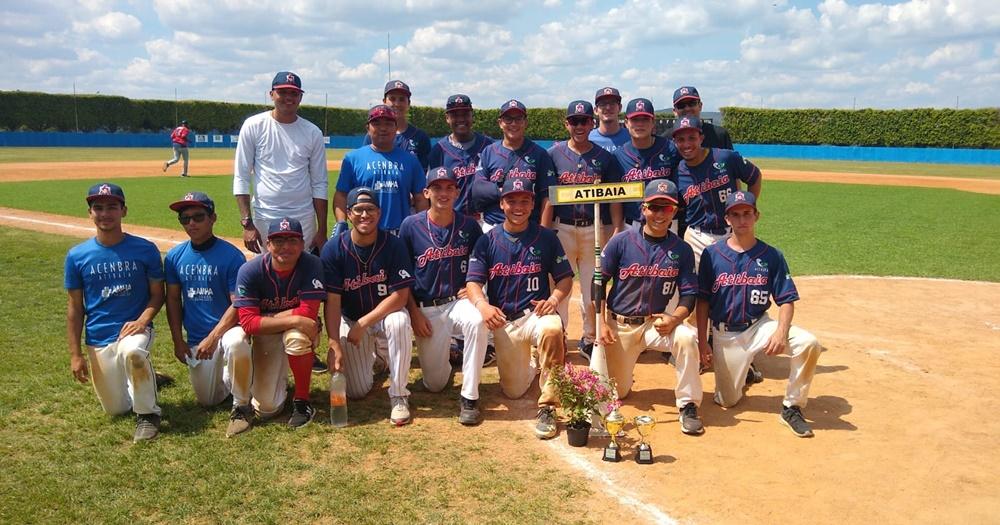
(516, 267)
(739, 286)
(705, 187)
(440, 254)
(463, 164)
(658, 161)
(413, 140)
(364, 276)
(258, 284)
(646, 273)
(497, 163)
(573, 168)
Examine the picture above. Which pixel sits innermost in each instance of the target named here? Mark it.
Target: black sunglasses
(578, 121)
(198, 217)
(657, 208)
(686, 104)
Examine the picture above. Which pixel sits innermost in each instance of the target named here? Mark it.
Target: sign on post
(597, 193)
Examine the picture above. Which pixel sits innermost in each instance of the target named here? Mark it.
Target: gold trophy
(644, 452)
(613, 422)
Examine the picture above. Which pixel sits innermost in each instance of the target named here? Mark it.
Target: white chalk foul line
(644, 510)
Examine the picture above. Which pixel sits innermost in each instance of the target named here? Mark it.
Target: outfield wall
(847, 153)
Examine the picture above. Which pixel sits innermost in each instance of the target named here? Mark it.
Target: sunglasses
(686, 104)
(508, 119)
(198, 218)
(658, 208)
(364, 210)
(578, 121)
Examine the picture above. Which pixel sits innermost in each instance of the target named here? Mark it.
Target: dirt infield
(903, 407)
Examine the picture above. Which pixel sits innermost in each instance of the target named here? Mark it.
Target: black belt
(634, 321)
(437, 302)
(514, 316)
(735, 327)
(577, 222)
(713, 231)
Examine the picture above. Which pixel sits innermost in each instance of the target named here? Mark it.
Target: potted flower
(582, 392)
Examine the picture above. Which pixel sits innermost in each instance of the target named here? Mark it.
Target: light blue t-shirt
(207, 278)
(115, 282)
(392, 175)
(610, 142)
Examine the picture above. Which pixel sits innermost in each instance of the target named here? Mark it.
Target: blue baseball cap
(515, 185)
(580, 108)
(684, 92)
(442, 173)
(361, 194)
(194, 198)
(284, 227)
(457, 102)
(660, 189)
(683, 123)
(105, 189)
(741, 198)
(286, 79)
(396, 85)
(607, 92)
(638, 107)
(512, 105)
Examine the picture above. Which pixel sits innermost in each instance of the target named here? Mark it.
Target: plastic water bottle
(338, 400)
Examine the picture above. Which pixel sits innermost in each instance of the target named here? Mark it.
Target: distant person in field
(179, 140)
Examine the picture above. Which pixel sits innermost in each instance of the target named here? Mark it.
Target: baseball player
(515, 262)
(368, 279)
(515, 157)
(281, 159)
(408, 137)
(115, 286)
(738, 278)
(179, 141)
(687, 103)
(278, 294)
(439, 241)
(706, 176)
(579, 161)
(647, 265)
(392, 173)
(201, 285)
(609, 134)
(646, 156)
(459, 152)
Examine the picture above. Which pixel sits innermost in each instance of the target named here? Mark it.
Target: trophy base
(613, 455)
(644, 456)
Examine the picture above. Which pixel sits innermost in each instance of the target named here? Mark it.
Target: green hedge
(940, 128)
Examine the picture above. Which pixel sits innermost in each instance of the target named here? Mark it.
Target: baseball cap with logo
(396, 85)
(441, 174)
(194, 198)
(284, 227)
(513, 105)
(683, 123)
(381, 111)
(685, 92)
(580, 108)
(741, 198)
(607, 92)
(514, 185)
(361, 194)
(638, 107)
(105, 189)
(457, 102)
(286, 79)
(660, 189)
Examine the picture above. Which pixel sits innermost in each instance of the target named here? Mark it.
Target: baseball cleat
(400, 414)
(586, 349)
(792, 418)
(184, 174)
(163, 380)
(165, 166)
(302, 413)
(240, 420)
(490, 357)
(455, 353)
(690, 422)
(545, 425)
(318, 366)
(754, 376)
(468, 413)
(147, 427)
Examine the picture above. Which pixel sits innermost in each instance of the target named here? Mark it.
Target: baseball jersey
(115, 282)
(412, 140)
(393, 175)
(705, 187)
(207, 279)
(739, 287)
(364, 276)
(658, 161)
(179, 136)
(282, 165)
(573, 168)
(645, 273)
(498, 162)
(463, 163)
(440, 253)
(517, 266)
(610, 142)
(715, 136)
(258, 284)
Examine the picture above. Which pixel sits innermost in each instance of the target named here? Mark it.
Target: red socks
(301, 366)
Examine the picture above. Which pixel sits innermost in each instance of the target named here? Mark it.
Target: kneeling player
(648, 264)
(737, 280)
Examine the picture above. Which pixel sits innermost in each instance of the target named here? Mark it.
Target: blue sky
(770, 53)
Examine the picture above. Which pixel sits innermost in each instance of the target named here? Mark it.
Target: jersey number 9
(383, 290)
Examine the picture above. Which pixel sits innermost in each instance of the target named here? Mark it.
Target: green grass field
(98, 154)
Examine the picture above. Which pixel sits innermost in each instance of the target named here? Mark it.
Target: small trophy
(613, 422)
(644, 452)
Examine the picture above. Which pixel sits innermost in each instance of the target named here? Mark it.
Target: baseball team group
(455, 245)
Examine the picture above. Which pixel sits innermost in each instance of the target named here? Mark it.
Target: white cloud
(114, 25)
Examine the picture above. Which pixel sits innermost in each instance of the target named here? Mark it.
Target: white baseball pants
(397, 351)
(228, 371)
(634, 339)
(578, 243)
(123, 375)
(446, 319)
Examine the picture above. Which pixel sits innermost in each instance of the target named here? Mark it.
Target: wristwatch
(247, 222)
